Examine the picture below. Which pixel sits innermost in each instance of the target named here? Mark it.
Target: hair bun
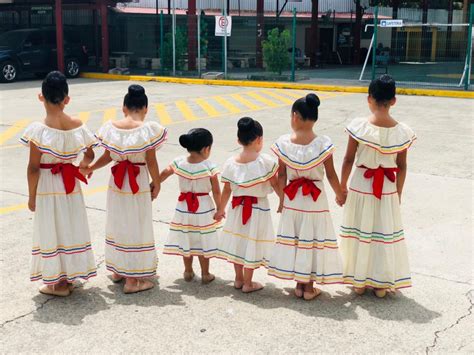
(312, 100)
(246, 124)
(185, 140)
(136, 90)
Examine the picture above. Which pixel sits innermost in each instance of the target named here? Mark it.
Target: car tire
(8, 72)
(72, 68)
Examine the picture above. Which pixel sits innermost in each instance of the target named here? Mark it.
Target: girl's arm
(334, 181)
(217, 196)
(33, 173)
(348, 162)
(166, 173)
(152, 164)
(87, 159)
(282, 181)
(104, 159)
(226, 192)
(402, 172)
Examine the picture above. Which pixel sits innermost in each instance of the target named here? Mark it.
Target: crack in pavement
(469, 295)
(442, 278)
(41, 305)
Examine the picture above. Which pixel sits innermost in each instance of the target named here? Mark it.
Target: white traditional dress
(247, 236)
(372, 238)
(193, 230)
(61, 239)
(306, 247)
(130, 243)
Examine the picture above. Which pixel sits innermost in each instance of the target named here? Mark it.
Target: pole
(161, 42)
(467, 78)
(199, 36)
(374, 43)
(59, 35)
(225, 40)
(293, 47)
(105, 36)
(174, 36)
(366, 58)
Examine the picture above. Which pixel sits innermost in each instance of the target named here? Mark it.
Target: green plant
(204, 40)
(181, 42)
(275, 50)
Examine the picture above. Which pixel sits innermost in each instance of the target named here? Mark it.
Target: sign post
(223, 29)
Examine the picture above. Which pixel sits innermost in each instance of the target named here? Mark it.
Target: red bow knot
(308, 188)
(191, 199)
(69, 174)
(126, 166)
(247, 202)
(379, 176)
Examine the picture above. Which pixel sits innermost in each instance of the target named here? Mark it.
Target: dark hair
(54, 87)
(307, 107)
(136, 98)
(382, 89)
(248, 130)
(196, 139)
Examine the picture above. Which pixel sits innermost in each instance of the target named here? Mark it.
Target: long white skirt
(61, 240)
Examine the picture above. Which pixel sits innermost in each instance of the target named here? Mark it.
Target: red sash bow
(308, 188)
(68, 172)
(379, 175)
(191, 199)
(247, 202)
(126, 166)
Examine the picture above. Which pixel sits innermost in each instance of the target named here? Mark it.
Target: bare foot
(299, 290)
(139, 286)
(359, 290)
(54, 290)
(116, 278)
(208, 278)
(380, 292)
(188, 276)
(311, 295)
(238, 284)
(255, 286)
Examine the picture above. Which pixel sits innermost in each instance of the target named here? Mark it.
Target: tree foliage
(181, 42)
(275, 50)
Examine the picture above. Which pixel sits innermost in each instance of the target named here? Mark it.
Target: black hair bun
(185, 140)
(313, 101)
(246, 124)
(196, 139)
(136, 90)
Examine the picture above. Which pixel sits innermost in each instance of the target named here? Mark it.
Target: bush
(275, 50)
(181, 42)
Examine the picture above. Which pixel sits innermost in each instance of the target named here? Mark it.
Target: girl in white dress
(193, 230)
(247, 236)
(131, 143)
(306, 247)
(61, 241)
(372, 237)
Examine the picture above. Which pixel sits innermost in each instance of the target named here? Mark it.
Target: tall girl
(131, 143)
(61, 241)
(193, 230)
(306, 248)
(247, 237)
(372, 237)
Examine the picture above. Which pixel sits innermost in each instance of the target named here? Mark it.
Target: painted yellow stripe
(185, 110)
(229, 106)
(261, 99)
(13, 130)
(242, 100)
(294, 94)
(109, 114)
(84, 116)
(11, 146)
(278, 97)
(162, 114)
(207, 107)
(14, 208)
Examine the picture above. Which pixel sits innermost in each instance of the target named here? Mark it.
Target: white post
(199, 36)
(174, 36)
(225, 40)
(367, 58)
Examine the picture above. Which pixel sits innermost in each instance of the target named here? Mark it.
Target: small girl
(131, 144)
(193, 230)
(247, 236)
(306, 248)
(61, 241)
(372, 238)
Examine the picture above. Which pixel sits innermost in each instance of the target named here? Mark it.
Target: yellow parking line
(245, 102)
(229, 106)
(185, 110)
(11, 146)
(278, 97)
(109, 114)
(260, 98)
(162, 114)
(296, 95)
(207, 107)
(84, 116)
(13, 130)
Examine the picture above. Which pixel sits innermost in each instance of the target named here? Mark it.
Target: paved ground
(433, 316)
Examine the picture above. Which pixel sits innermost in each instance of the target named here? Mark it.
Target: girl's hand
(400, 197)
(32, 203)
(155, 190)
(280, 207)
(344, 190)
(219, 215)
(86, 171)
(341, 199)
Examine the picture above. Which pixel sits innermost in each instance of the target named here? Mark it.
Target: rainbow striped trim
(296, 165)
(192, 229)
(201, 174)
(51, 280)
(256, 181)
(323, 279)
(178, 250)
(246, 237)
(25, 140)
(61, 249)
(188, 212)
(130, 273)
(389, 149)
(235, 259)
(151, 144)
(371, 237)
(372, 283)
(298, 243)
(130, 248)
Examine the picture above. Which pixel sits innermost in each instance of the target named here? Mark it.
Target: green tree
(181, 42)
(275, 50)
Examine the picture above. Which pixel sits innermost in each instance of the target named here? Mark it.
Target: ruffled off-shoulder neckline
(193, 171)
(249, 174)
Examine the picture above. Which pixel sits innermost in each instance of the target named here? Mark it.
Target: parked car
(34, 51)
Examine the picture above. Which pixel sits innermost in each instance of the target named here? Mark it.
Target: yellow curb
(277, 85)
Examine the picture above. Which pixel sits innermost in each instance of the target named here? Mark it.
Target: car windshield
(12, 39)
